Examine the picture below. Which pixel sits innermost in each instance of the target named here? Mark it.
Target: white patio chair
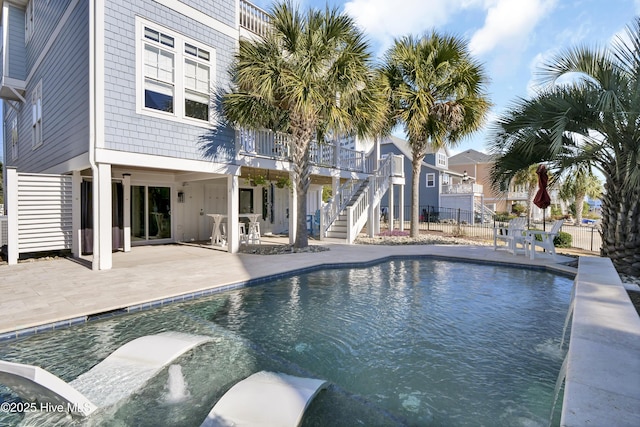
(513, 235)
(545, 242)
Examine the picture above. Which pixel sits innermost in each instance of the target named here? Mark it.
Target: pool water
(406, 342)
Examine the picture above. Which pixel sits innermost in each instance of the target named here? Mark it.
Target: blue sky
(509, 36)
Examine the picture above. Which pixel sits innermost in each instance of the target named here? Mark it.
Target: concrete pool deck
(59, 290)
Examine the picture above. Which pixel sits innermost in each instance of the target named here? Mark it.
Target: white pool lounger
(121, 374)
(265, 399)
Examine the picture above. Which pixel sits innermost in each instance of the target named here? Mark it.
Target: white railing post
(371, 220)
(11, 204)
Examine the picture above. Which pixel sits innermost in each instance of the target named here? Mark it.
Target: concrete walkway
(43, 292)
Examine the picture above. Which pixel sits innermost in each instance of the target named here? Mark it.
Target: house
(113, 138)
(478, 165)
(442, 191)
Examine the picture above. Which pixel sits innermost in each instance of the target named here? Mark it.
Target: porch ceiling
(272, 175)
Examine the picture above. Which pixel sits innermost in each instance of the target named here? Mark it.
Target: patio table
(216, 236)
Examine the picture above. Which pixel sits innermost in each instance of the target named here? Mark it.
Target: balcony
(462, 189)
(253, 19)
(11, 89)
(277, 146)
(517, 195)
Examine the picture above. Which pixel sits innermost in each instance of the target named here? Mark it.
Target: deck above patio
(277, 146)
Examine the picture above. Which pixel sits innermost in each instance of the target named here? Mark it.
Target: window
(159, 73)
(431, 180)
(441, 159)
(28, 21)
(36, 114)
(175, 75)
(196, 76)
(445, 178)
(14, 138)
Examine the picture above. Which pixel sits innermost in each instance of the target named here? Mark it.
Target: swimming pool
(405, 342)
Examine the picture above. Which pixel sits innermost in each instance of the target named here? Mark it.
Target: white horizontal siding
(44, 212)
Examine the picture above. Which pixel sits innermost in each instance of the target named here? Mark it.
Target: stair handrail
(337, 203)
(357, 213)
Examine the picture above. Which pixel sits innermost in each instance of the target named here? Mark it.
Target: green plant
(283, 182)
(556, 211)
(518, 209)
(563, 240)
(503, 216)
(327, 193)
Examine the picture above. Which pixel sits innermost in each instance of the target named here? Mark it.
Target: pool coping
(602, 383)
(255, 281)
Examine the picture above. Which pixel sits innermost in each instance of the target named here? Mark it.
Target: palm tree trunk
(301, 135)
(579, 205)
(621, 228)
(415, 195)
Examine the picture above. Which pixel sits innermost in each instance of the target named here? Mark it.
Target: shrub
(562, 240)
(503, 216)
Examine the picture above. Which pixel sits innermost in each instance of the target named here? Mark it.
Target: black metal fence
(461, 222)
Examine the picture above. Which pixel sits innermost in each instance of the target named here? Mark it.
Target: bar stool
(243, 236)
(253, 236)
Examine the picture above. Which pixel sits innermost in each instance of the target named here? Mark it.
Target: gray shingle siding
(15, 45)
(428, 196)
(64, 73)
(125, 130)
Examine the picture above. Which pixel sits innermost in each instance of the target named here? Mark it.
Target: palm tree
(310, 76)
(577, 186)
(591, 122)
(528, 178)
(436, 90)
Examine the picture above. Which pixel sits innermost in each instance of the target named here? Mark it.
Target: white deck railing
(253, 19)
(462, 189)
(276, 145)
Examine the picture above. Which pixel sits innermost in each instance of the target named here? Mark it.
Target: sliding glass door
(150, 213)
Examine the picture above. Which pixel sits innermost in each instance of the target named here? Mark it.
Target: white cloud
(509, 24)
(384, 20)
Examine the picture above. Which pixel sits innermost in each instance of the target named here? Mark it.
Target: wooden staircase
(340, 226)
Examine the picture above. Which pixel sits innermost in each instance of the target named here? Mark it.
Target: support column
(233, 214)
(11, 204)
(377, 153)
(320, 203)
(401, 207)
(102, 224)
(372, 210)
(126, 211)
(76, 214)
(391, 200)
(335, 184)
(293, 209)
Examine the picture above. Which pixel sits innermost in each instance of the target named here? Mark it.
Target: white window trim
(178, 114)
(14, 138)
(28, 21)
(37, 138)
(433, 180)
(441, 159)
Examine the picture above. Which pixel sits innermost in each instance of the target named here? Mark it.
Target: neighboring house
(478, 165)
(441, 189)
(118, 95)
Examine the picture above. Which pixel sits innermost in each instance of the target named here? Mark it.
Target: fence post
(11, 203)
(592, 228)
